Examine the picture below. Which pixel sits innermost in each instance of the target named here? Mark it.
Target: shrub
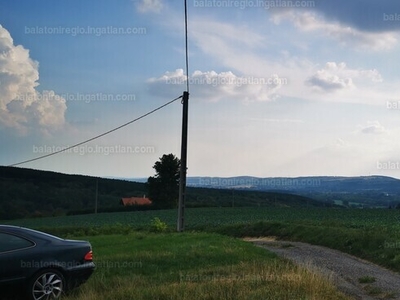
(158, 226)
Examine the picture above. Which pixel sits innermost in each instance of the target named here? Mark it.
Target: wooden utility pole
(97, 195)
(183, 170)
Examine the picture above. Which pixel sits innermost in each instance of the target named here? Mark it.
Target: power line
(96, 137)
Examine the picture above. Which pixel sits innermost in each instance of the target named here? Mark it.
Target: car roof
(27, 232)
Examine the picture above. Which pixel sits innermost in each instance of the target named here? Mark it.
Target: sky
(277, 88)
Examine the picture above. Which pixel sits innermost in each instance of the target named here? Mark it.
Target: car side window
(9, 242)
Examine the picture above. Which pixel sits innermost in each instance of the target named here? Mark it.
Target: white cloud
(22, 107)
(229, 44)
(372, 127)
(250, 55)
(329, 82)
(346, 35)
(152, 6)
(337, 76)
(215, 86)
(241, 35)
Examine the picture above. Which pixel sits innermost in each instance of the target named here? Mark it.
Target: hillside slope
(35, 193)
(27, 192)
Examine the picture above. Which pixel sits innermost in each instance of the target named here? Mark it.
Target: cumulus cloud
(337, 76)
(344, 34)
(329, 82)
(215, 86)
(372, 127)
(149, 6)
(22, 106)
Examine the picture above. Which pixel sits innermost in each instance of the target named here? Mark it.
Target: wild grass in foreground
(194, 266)
(378, 244)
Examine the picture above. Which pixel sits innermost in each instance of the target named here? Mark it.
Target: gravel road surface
(345, 270)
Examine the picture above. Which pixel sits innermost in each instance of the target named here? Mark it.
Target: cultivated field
(388, 219)
(372, 234)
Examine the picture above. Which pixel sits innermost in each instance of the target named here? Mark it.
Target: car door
(14, 257)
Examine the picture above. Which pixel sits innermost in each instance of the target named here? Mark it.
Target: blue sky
(277, 88)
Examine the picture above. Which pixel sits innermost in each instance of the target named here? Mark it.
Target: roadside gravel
(345, 270)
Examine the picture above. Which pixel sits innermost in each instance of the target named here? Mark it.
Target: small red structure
(135, 201)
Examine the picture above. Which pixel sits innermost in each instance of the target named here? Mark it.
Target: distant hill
(367, 190)
(311, 183)
(356, 184)
(35, 193)
(27, 192)
(359, 191)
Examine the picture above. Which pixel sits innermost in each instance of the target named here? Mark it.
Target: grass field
(202, 217)
(372, 234)
(207, 260)
(194, 266)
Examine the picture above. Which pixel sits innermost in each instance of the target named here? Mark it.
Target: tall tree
(164, 186)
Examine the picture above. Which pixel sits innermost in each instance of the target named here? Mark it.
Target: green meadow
(141, 256)
(196, 218)
(194, 265)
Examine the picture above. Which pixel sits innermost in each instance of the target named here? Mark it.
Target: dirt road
(353, 276)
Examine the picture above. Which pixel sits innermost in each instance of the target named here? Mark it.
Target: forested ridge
(34, 193)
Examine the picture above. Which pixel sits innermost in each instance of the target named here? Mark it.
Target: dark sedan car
(43, 265)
